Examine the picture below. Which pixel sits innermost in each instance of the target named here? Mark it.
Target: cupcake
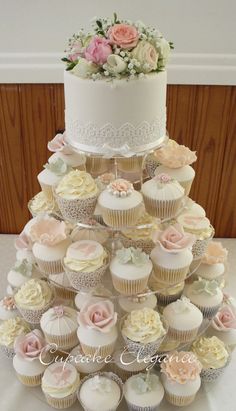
(213, 355)
(8, 308)
(184, 320)
(143, 392)
(51, 175)
(59, 325)
(175, 161)
(33, 299)
(172, 255)
(192, 207)
(201, 228)
(151, 162)
(181, 377)
(104, 180)
(143, 332)
(213, 262)
(98, 165)
(85, 364)
(59, 384)
(27, 362)
(130, 303)
(62, 286)
(41, 204)
(120, 204)
(92, 231)
(223, 325)
(62, 150)
(130, 270)
(125, 364)
(97, 330)
(85, 264)
(168, 294)
(140, 236)
(23, 244)
(9, 330)
(206, 295)
(20, 273)
(50, 244)
(76, 195)
(101, 391)
(162, 196)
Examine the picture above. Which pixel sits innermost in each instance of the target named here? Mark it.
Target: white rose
(163, 49)
(146, 54)
(115, 64)
(85, 68)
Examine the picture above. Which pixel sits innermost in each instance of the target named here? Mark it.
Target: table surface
(13, 395)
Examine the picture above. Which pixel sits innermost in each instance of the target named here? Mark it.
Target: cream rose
(211, 352)
(163, 49)
(85, 68)
(115, 64)
(146, 55)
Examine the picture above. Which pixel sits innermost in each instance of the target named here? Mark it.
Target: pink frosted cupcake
(97, 330)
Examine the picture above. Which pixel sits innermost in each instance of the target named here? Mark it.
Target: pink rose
(99, 316)
(98, 50)
(76, 51)
(29, 346)
(163, 178)
(23, 242)
(182, 366)
(215, 253)
(58, 143)
(123, 35)
(173, 239)
(225, 319)
(48, 231)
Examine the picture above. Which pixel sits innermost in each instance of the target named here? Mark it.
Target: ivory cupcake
(181, 377)
(28, 361)
(23, 244)
(8, 308)
(97, 330)
(162, 196)
(51, 175)
(41, 204)
(172, 256)
(120, 204)
(50, 244)
(59, 325)
(59, 385)
(213, 262)
(143, 332)
(184, 320)
(201, 228)
(206, 295)
(85, 264)
(141, 236)
(223, 325)
(151, 162)
(130, 270)
(9, 330)
(143, 392)
(175, 161)
(33, 299)
(20, 273)
(213, 355)
(76, 195)
(130, 303)
(62, 150)
(85, 364)
(125, 364)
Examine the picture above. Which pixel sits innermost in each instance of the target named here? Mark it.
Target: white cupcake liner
(61, 403)
(64, 293)
(211, 375)
(121, 218)
(30, 381)
(49, 267)
(162, 209)
(151, 165)
(179, 400)
(186, 186)
(200, 246)
(145, 245)
(208, 312)
(133, 407)
(109, 375)
(129, 287)
(182, 335)
(167, 275)
(7, 351)
(84, 281)
(65, 341)
(77, 209)
(102, 350)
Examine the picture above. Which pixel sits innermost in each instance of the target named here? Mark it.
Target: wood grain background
(201, 117)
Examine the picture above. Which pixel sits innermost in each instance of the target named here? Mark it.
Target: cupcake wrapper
(78, 209)
(187, 186)
(167, 299)
(64, 293)
(7, 351)
(182, 336)
(151, 165)
(121, 218)
(199, 247)
(208, 312)
(125, 374)
(168, 276)
(179, 401)
(145, 245)
(162, 209)
(143, 350)
(129, 287)
(133, 407)
(84, 281)
(34, 316)
(63, 341)
(61, 403)
(211, 375)
(32, 381)
(130, 164)
(103, 351)
(50, 267)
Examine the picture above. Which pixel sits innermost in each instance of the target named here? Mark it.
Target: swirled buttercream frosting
(34, 294)
(77, 185)
(85, 255)
(60, 380)
(211, 352)
(12, 328)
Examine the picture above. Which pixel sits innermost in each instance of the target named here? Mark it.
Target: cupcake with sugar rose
(102, 182)
(51, 175)
(213, 262)
(151, 162)
(143, 391)
(21, 272)
(23, 244)
(141, 236)
(8, 308)
(223, 325)
(9, 330)
(63, 151)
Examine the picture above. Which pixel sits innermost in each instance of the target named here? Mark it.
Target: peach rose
(215, 253)
(100, 316)
(182, 366)
(48, 231)
(173, 239)
(58, 143)
(29, 346)
(120, 188)
(23, 242)
(175, 156)
(123, 35)
(225, 319)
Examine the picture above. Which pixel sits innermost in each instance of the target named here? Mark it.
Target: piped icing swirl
(85, 256)
(12, 328)
(41, 203)
(181, 367)
(34, 294)
(132, 255)
(175, 156)
(60, 380)
(120, 188)
(77, 185)
(211, 352)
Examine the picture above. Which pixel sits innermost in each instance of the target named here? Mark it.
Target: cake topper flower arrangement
(115, 49)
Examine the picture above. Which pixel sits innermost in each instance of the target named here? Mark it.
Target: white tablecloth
(220, 396)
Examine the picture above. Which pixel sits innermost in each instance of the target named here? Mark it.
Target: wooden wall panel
(201, 117)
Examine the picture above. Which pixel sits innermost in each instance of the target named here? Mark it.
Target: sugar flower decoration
(48, 231)
(225, 319)
(23, 242)
(99, 316)
(23, 267)
(163, 178)
(182, 305)
(181, 367)
(30, 346)
(215, 253)
(120, 188)
(59, 144)
(203, 286)
(175, 156)
(132, 255)
(173, 239)
(8, 303)
(103, 385)
(58, 167)
(143, 383)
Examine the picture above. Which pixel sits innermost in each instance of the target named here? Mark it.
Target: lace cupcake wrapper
(145, 245)
(162, 209)
(7, 351)
(168, 276)
(178, 400)
(200, 246)
(30, 381)
(121, 218)
(61, 403)
(151, 165)
(84, 281)
(211, 375)
(63, 342)
(129, 287)
(77, 209)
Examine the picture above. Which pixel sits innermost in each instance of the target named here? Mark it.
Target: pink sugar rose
(215, 253)
(100, 316)
(98, 50)
(58, 143)
(29, 346)
(23, 242)
(173, 239)
(225, 319)
(182, 367)
(48, 231)
(123, 35)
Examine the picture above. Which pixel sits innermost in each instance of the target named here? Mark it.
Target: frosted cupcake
(100, 391)
(172, 255)
(97, 330)
(21, 272)
(143, 332)
(41, 204)
(130, 270)
(104, 180)
(181, 377)
(50, 244)
(51, 175)
(33, 299)
(120, 204)
(29, 349)
(166, 294)
(76, 195)
(125, 364)
(162, 196)
(59, 325)
(184, 320)
(85, 264)
(151, 162)
(23, 244)
(223, 325)
(62, 286)
(213, 262)
(9, 330)
(175, 161)
(59, 385)
(62, 150)
(192, 207)
(201, 228)
(130, 303)
(8, 308)
(213, 355)
(206, 295)
(143, 392)
(85, 364)
(94, 232)
(140, 237)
